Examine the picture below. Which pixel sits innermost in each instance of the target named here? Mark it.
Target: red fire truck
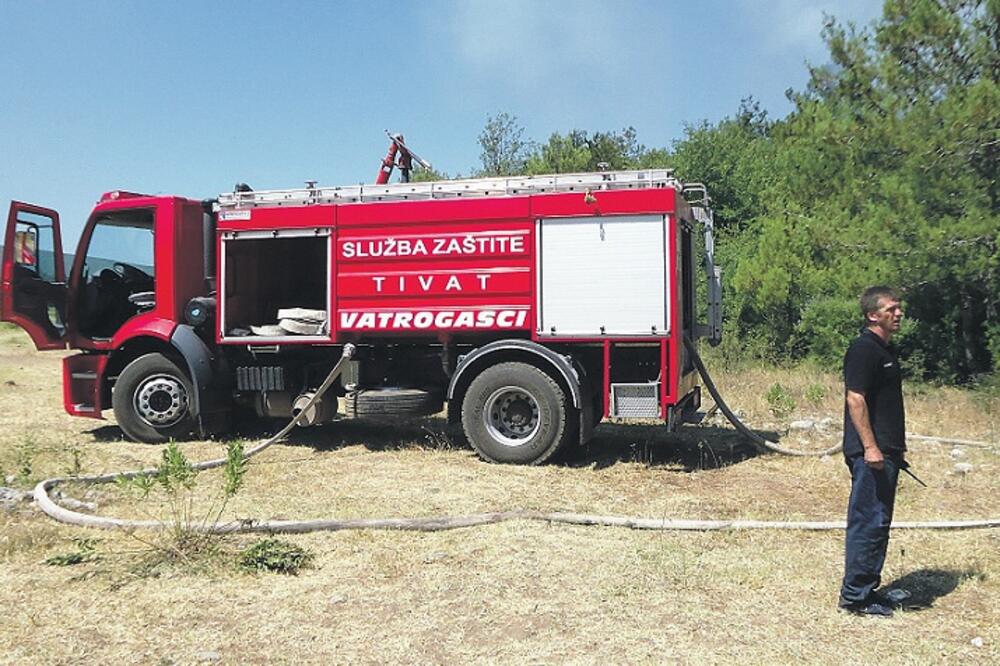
(534, 306)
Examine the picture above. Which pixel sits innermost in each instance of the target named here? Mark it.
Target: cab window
(34, 245)
(118, 272)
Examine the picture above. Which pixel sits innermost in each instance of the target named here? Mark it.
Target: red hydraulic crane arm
(388, 162)
(406, 157)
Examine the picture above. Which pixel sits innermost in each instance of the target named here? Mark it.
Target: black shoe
(868, 608)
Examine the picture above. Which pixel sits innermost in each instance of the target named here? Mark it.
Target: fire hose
(439, 523)
(759, 441)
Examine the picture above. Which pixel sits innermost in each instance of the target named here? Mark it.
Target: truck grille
(266, 378)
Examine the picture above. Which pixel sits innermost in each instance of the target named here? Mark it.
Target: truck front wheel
(152, 400)
(515, 413)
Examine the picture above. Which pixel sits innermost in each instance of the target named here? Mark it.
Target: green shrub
(816, 394)
(276, 556)
(24, 455)
(780, 400)
(86, 551)
(186, 541)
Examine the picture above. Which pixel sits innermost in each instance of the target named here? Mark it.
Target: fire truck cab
(533, 307)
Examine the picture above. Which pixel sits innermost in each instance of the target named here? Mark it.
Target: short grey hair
(871, 297)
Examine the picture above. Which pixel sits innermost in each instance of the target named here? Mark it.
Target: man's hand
(874, 458)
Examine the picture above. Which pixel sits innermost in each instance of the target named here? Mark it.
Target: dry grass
(516, 592)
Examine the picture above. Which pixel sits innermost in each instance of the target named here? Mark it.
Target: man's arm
(858, 409)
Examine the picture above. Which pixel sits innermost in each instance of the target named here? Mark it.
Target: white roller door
(602, 276)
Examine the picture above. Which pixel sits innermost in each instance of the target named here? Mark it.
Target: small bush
(24, 457)
(276, 556)
(780, 400)
(86, 551)
(739, 350)
(186, 543)
(816, 394)
(75, 467)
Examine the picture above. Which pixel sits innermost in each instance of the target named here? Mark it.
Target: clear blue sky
(190, 97)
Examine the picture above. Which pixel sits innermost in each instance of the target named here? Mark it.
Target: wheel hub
(511, 416)
(161, 401)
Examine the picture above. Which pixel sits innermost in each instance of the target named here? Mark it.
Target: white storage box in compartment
(275, 285)
(602, 276)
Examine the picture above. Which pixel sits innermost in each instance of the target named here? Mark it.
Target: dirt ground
(520, 592)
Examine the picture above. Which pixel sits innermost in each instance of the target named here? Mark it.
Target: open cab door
(34, 277)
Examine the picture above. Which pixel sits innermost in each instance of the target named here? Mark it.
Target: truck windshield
(122, 239)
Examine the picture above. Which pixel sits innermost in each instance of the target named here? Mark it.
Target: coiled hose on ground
(439, 523)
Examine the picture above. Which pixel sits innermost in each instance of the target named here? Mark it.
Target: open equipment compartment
(263, 272)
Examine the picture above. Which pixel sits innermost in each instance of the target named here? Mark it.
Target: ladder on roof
(451, 189)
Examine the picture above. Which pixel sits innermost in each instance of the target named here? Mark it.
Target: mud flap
(588, 419)
(685, 411)
(210, 403)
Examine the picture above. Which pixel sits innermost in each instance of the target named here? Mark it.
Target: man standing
(874, 444)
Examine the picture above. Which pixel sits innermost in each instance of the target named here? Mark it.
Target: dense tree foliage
(885, 172)
(504, 151)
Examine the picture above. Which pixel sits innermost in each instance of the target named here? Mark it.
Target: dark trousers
(869, 513)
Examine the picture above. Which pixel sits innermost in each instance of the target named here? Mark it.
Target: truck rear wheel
(152, 400)
(515, 413)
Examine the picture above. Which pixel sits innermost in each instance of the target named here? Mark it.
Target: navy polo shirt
(871, 367)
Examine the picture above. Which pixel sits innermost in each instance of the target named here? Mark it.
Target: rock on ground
(11, 497)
